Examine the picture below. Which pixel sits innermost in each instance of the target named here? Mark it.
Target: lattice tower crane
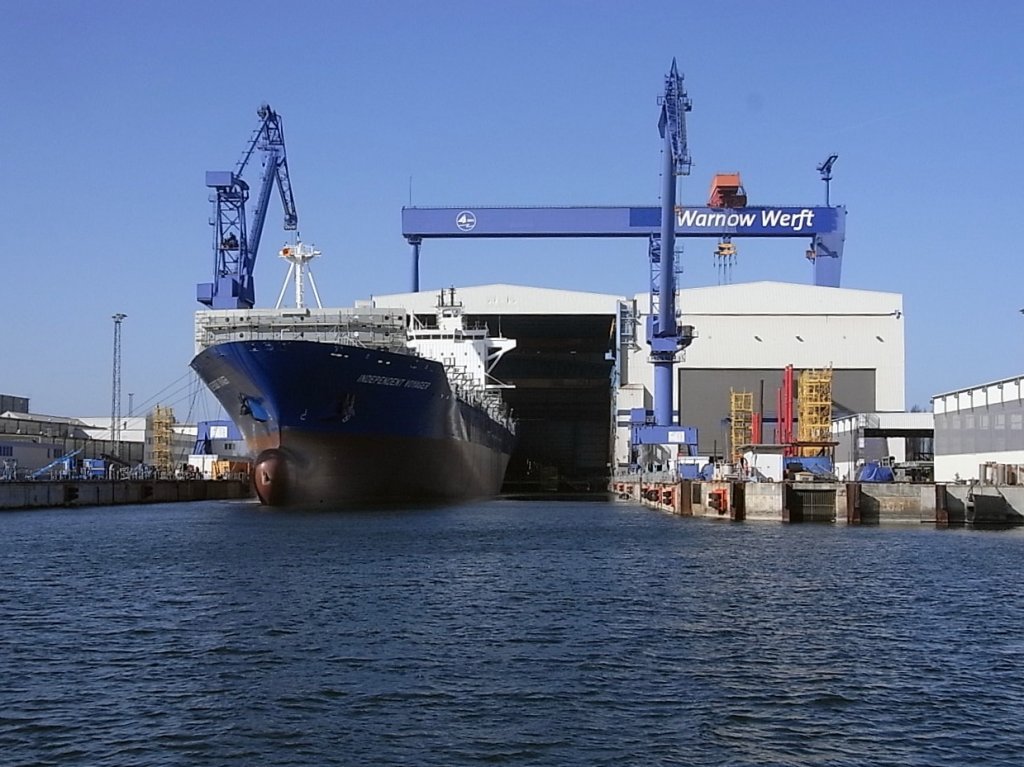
(235, 244)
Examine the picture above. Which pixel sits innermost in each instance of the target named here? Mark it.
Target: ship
(361, 406)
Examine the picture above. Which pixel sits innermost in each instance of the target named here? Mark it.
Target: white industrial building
(595, 357)
(133, 428)
(979, 425)
(893, 439)
(746, 335)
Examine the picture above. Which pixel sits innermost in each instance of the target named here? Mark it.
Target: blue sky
(113, 111)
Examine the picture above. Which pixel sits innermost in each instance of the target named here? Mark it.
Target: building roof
(39, 418)
(748, 298)
(508, 299)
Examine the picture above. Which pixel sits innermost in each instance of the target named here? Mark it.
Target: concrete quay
(74, 493)
(853, 503)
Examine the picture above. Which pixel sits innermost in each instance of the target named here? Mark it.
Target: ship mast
(298, 257)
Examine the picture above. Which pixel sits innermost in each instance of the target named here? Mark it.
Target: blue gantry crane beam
(824, 226)
(236, 243)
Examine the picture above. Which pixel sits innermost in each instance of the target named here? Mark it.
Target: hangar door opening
(561, 369)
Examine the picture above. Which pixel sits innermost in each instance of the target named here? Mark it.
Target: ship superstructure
(468, 355)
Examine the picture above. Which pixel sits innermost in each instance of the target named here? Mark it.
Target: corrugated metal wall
(703, 397)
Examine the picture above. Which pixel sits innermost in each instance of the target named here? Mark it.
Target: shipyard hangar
(581, 364)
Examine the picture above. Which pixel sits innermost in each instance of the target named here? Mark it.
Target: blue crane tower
(235, 244)
(665, 335)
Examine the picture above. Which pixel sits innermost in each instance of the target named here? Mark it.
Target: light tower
(115, 399)
(825, 169)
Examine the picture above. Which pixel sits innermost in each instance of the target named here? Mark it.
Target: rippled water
(503, 633)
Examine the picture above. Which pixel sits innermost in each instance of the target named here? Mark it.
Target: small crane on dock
(235, 244)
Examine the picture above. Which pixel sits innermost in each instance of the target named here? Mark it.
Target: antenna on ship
(298, 257)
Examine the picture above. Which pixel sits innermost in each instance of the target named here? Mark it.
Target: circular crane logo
(466, 221)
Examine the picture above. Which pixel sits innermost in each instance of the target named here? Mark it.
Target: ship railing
(369, 329)
(417, 325)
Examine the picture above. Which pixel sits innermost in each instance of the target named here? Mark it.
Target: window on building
(7, 450)
(229, 445)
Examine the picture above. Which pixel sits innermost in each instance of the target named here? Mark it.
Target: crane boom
(674, 106)
(236, 244)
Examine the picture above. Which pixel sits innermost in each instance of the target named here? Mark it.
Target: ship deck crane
(236, 244)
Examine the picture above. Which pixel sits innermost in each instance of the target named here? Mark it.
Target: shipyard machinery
(236, 243)
(727, 216)
(667, 338)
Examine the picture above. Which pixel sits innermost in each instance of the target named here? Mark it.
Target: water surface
(507, 632)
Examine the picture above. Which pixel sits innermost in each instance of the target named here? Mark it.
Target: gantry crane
(235, 244)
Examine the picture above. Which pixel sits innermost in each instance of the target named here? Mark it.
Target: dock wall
(996, 505)
(29, 495)
(833, 502)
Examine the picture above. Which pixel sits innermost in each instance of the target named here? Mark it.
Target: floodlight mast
(115, 397)
(825, 169)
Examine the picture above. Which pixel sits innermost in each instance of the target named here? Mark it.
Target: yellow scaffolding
(814, 408)
(741, 416)
(162, 421)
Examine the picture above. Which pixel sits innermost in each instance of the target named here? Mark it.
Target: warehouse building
(902, 441)
(979, 425)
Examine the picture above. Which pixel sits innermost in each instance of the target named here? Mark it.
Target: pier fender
(270, 477)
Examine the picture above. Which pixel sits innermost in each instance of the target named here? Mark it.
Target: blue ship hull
(343, 425)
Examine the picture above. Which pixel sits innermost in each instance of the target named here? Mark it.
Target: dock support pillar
(853, 516)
